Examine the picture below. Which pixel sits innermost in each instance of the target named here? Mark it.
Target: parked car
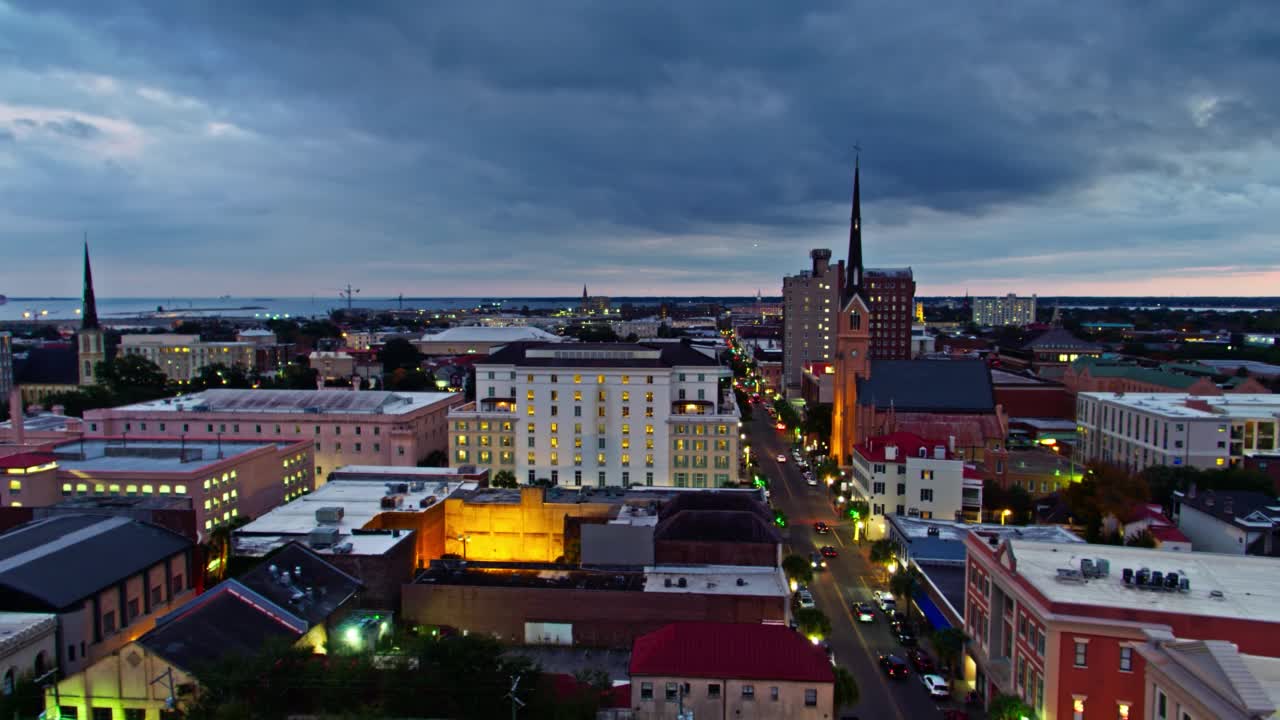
(817, 561)
(921, 661)
(821, 528)
(937, 686)
(804, 599)
(895, 618)
(884, 599)
(828, 551)
(864, 613)
(905, 635)
(894, 667)
(810, 480)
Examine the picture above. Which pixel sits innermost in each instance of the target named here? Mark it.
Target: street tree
(882, 550)
(503, 479)
(813, 622)
(949, 644)
(846, 688)
(1008, 707)
(798, 569)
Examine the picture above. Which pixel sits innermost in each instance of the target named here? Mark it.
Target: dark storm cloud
(521, 129)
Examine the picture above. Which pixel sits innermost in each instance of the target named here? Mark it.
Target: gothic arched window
(855, 320)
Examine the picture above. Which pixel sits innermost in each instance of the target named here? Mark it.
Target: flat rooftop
(393, 473)
(1244, 405)
(360, 500)
(717, 580)
(949, 530)
(699, 579)
(43, 422)
(1250, 585)
(295, 402)
(609, 495)
(118, 455)
(1254, 367)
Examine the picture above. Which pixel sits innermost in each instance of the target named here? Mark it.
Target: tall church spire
(89, 315)
(853, 283)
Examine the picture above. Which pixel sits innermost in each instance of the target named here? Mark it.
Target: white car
(805, 598)
(936, 685)
(782, 458)
(884, 599)
(811, 481)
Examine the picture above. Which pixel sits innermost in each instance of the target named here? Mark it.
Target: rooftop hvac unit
(323, 537)
(397, 488)
(418, 486)
(391, 502)
(329, 515)
(683, 582)
(343, 548)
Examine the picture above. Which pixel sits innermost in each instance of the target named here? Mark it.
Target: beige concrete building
(809, 302)
(182, 357)
(347, 427)
(332, 365)
(478, 340)
(607, 414)
(28, 647)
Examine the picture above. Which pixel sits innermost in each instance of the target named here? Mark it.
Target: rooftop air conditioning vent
(741, 582)
(1216, 594)
(682, 582)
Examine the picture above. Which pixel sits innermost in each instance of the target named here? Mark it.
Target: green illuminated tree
(1008, 707)
(846, 688)
(812, 621)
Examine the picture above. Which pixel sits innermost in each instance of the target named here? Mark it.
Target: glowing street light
(1004, 514)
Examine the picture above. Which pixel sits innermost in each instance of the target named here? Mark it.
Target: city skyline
(703, 150)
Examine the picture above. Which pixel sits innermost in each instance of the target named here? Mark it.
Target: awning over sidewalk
(931, 611)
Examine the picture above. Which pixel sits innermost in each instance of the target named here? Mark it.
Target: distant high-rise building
(810, 302)
(890, 295)
(90, 342)
(1007, 310)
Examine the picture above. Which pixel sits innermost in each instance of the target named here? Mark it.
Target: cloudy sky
(520, 148)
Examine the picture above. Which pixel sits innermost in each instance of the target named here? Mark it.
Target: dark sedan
(894, 667)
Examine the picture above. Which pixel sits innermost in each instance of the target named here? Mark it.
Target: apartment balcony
(693, 407)
(498, 405)
(485, 407)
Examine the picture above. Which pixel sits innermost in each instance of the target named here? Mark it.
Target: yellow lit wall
(531, 531)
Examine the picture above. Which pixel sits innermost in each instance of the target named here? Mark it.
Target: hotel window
(599, 379)
(577, 475)
(531, 458)
(529, 411)
(1082, 653)
(926, 474)
(646, 691)
(626, 443)
(672, 692)
(1126, 659)
(926, 495)
(555, 378)
(461, 456)
(577, 396)
(577, 379)
(555, 458)
(626, 459)
(555, 395)
(648, 462)
(600, 457)
(810, 697)
(1077, 707)
(529, 378)
(600, 478)
(529, 395)
(626, 396)
(648, 412)
(555, 442)
(577, 458)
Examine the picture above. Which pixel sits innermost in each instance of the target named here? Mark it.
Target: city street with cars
(843, 588)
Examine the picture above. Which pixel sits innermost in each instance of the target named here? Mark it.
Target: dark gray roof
(1231, 506)
(54, 365)
(962, 386)
(1060, 339)
(59, 561)
(716, 526)
(673, 354)
(298, 569)
(224, 622)
(949, 579)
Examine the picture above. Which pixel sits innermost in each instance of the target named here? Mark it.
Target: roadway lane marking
(873, 659)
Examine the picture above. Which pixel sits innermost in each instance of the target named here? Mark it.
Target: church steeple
(853, 267)
(89, 314)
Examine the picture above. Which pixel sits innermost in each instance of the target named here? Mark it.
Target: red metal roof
(730, 650)
(908, 444)
(26, 460)
(1168, 533)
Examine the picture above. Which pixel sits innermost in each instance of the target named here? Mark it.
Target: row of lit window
(601, 459)
(700, 429)
(293, 460)
(681, 444)
(227, 497)
(601, 396)
(226, 517)
(68, 488)
(699, 461)
(484, 457)
(225, 478)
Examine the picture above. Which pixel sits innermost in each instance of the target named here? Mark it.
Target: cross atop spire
(89, 315)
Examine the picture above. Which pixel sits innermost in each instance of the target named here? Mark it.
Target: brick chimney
(17, 415)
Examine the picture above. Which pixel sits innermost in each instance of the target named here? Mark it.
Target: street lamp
(464, 539)
(1004, 514)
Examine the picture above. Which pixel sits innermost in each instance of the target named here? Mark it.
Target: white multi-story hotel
(1001, 311)
(904, 474)
(607, 414)
(1142, 429)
